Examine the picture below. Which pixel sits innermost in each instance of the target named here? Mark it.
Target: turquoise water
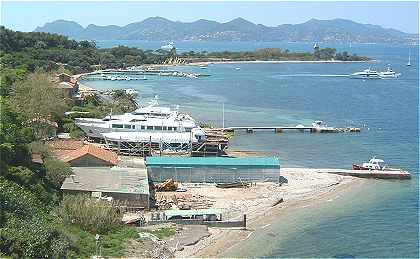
(381, 218)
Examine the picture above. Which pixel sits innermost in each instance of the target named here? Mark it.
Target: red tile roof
(99, 153)
(65, 144)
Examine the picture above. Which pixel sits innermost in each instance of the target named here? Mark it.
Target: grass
(163, 233)
(113, 243)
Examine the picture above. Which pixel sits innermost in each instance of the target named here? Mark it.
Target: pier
(280, 129)
(139, 74)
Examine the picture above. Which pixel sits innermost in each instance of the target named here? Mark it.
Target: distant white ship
(168, 46)
(373, 74)
(366, 74)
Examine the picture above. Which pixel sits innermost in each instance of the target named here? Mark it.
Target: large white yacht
(144, 123)
(366, 74)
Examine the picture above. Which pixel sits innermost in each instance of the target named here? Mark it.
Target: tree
(40, 101)
(123, 102)
(57, 171)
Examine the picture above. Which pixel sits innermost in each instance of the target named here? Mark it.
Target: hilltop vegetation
(239, 29)
(271, 54)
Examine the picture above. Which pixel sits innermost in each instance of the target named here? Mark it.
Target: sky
(26, 16)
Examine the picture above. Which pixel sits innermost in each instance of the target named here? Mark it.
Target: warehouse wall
(213, 174)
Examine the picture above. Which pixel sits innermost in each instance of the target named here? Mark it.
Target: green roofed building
(213, 169)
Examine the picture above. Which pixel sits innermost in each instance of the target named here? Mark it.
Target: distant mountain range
(239, 29)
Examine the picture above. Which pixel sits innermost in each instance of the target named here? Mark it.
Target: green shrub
(89, 214)
(162, 233)
(57, 171)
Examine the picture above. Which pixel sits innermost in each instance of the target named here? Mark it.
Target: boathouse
(128, 186)
(213, 169)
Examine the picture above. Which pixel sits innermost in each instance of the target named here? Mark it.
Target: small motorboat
(373, 164)
(389, 73)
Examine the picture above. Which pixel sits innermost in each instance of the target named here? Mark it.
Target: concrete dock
(376, 174)
(280, 129)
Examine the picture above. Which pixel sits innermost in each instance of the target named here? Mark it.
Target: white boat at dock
(143, 123)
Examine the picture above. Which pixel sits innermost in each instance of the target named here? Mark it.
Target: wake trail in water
(311, 75)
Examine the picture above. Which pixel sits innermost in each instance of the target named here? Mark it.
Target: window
(158, 127)
(170, 128)
(150, 127)
(142, 127)
(117, 126)
(165, 128)
(188, 129)
(126, 126)
(175, 128)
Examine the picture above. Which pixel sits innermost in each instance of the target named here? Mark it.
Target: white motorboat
(389, 73)
(373, 164)
(321, 126)
(366, 74)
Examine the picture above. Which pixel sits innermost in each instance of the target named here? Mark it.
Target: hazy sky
(26, 16)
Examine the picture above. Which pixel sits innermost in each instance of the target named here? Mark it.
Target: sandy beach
(261, 205)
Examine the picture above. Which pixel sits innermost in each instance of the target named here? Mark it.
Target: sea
(377, 219)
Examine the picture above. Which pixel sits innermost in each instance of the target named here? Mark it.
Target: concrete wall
(131, 199)
(127, 199)
(220, 224)
(89, 161)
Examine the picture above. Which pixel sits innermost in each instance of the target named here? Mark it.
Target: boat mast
(409, 57)
(223, 116)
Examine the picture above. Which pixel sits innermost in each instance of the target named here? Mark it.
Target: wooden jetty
(280, 129)
(376, 174)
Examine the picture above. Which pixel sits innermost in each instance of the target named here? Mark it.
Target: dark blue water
(381, 218)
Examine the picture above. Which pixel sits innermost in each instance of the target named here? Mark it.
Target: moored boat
(373, 164)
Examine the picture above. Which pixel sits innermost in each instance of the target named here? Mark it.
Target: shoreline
(203, 63)
(305, 188)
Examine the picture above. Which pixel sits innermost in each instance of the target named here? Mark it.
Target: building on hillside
(213, 169)
(89, 156)
(63, 77)
(69, 89)
(127, 186)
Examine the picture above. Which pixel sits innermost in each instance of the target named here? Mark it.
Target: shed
(127, 185)
(89, 156)
(213, 169)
